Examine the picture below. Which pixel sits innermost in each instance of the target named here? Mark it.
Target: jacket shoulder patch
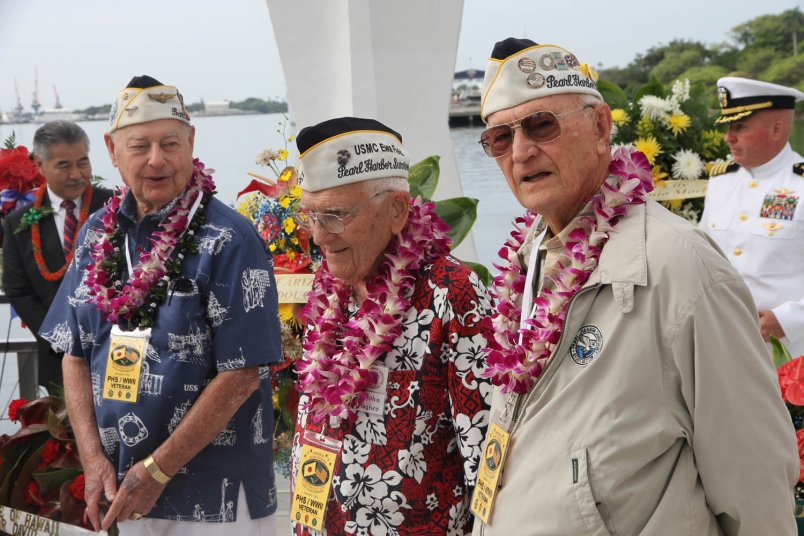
(724, 167)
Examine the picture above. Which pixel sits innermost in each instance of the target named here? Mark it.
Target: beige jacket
(659, 412)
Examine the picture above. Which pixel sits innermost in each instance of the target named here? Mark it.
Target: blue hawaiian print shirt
(220, 314)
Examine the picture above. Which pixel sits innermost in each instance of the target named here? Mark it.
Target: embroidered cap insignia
(161, 97)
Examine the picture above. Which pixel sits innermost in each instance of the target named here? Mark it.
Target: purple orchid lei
(516, 365)
(338, 352)
(124, 304)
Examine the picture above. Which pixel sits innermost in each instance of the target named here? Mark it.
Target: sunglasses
(539, 127)
(332, 223)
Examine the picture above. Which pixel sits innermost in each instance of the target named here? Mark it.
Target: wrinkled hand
(769, 325)
(138, 493)
(100, 478)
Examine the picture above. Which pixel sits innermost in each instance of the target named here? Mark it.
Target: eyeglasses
(332, 223)
(539, 127)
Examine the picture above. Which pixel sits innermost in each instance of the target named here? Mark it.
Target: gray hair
(386, 184)
(55, 133)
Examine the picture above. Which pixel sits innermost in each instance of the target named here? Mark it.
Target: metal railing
(25, 348)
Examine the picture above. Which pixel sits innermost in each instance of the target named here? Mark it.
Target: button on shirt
(748, 213)
(227, 292)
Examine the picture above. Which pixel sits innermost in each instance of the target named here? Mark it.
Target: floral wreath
(124, 304)
(335, 370)
(515, 364)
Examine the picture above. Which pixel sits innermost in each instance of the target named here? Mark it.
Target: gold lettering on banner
(293, 288)
(18, 523)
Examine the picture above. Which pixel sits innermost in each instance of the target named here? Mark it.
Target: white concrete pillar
(392, 61)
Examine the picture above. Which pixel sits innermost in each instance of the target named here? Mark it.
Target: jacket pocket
(772, 247)
(590, 510)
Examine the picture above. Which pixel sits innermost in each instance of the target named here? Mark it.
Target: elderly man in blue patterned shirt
(165, 380)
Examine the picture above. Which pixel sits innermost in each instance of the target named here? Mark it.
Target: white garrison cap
(347, 150)
(520, 70)
(146, 99)
(741, 97)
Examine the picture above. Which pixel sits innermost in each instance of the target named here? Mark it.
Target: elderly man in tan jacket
(634, 394)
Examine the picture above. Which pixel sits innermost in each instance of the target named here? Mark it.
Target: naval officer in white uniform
(753, 206)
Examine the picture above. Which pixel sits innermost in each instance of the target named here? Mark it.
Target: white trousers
(244, 526)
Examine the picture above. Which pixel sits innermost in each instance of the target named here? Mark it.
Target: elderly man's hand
(769, 325)
(137, 495)
(100, 478)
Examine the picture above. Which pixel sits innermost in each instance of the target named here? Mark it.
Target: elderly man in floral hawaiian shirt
(393, 407)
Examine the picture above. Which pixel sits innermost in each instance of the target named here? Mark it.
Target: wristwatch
(154, 471)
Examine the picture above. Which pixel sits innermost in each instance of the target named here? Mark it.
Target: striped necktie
(70, 225)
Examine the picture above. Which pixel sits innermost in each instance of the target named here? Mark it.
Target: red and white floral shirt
(413, 469)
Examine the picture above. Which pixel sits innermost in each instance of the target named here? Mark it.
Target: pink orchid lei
(516, 365)
(123, 304)
(339, 351)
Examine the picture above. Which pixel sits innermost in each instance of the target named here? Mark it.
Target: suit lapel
(52, 250)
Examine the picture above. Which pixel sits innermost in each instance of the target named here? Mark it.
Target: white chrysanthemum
(266, 157)
(680, 93)
(614, 131)
(688, 165)
(656, 108)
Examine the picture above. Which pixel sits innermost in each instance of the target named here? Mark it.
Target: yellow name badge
(314, 481)
(490, 470)
(123, 366)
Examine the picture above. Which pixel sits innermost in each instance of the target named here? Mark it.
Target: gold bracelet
(154, 471)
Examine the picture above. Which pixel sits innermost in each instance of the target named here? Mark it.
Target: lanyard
(190, 216)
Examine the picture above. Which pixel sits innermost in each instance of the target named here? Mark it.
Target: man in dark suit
(38, 244)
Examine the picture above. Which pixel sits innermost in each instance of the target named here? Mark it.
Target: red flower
(77, 487)
(32, 493)
(14, 407)
(50, 452)
(791, 380)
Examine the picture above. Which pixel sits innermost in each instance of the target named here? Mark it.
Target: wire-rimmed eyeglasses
(332, 223)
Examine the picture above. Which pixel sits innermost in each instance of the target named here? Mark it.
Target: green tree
(753, 62)
(676, 62)
(787, 72)
(707, 75)
(775, 32)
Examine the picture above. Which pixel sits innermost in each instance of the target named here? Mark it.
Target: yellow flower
(679, 123)
(291, 255)
(283, 154)
(286, 315)
(275, 399)
(287, 173)
(295, 192)
(673, 204)
(711, 143)
(294, 240)
(658, 176)
(620, 117)
(289, 225)
(284, 202)
(649, 147)
(645, 127)
(291, 138)
(272, 247)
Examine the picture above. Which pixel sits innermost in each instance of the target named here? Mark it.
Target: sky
(217, 50)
